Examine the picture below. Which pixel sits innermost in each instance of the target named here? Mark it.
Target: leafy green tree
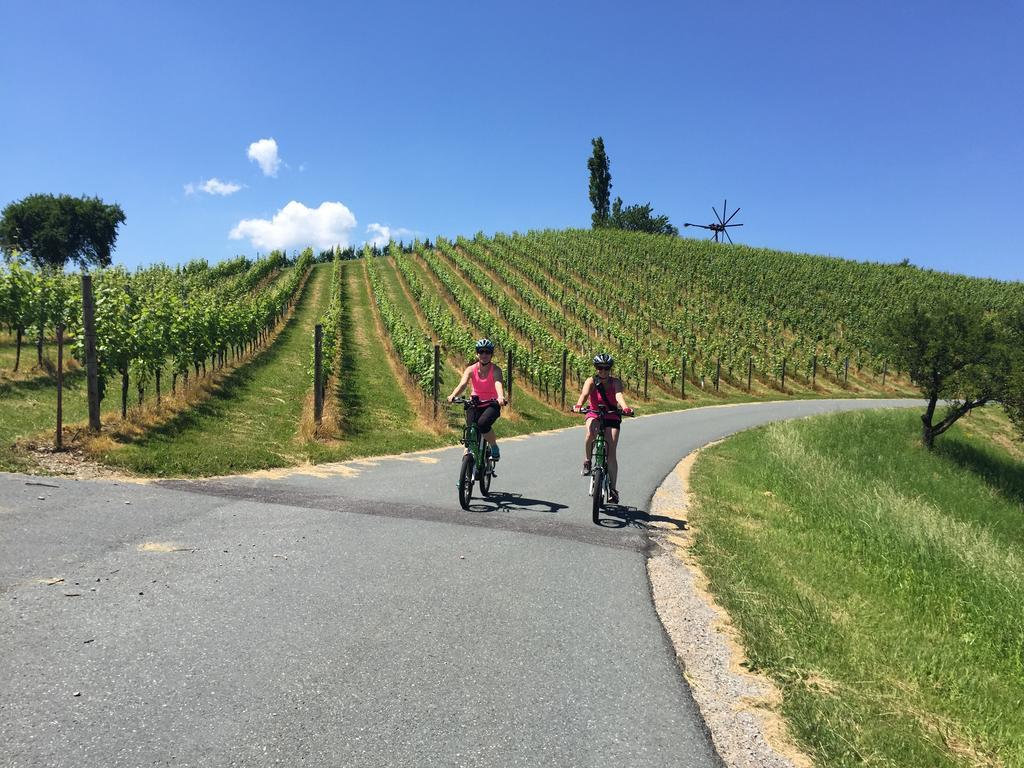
(53, 230)
(1013, 393)
(639, 218)
(600, 183)
(954, 351)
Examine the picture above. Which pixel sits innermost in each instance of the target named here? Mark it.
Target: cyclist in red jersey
(489, 388)
(603, 389)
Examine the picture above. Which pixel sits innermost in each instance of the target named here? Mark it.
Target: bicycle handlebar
(469, 401)
(603, 411)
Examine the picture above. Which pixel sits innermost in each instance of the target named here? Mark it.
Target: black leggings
(485, 417)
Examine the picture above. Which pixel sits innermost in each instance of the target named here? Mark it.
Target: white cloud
(382, 234)
(213, 186)
(296, 226)
(264, 152)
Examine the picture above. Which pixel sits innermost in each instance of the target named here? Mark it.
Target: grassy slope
(377, 417)
(880, 586)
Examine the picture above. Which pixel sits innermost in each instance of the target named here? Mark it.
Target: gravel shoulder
(740, 708)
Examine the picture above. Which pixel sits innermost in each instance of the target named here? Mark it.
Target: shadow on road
(619, 516)
(502, 501)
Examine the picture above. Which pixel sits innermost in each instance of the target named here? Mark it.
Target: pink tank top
(483, 386)
(596, 399)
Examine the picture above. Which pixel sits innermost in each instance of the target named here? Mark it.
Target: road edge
(740, 709)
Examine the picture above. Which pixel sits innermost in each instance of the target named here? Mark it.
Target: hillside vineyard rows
(157, 320)
(674, 312)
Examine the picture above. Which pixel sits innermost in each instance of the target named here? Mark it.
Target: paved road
(354, 617)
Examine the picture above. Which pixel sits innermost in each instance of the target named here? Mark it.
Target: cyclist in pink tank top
(603, 389)
(488, 388)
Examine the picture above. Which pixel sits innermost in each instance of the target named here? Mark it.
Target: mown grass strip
(375, 415)
(879, 585)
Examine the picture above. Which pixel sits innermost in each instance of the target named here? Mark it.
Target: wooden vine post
(60, 386)
(682, 378)
(718, 371)
(783, 374)
(508, 377)
(437, 376)
(318, 371)
(91, 367)
(750, 370)
(647, 366)
(565, 357)
(814, 372)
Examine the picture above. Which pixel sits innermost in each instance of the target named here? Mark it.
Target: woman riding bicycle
(489, 388)
(603, 390)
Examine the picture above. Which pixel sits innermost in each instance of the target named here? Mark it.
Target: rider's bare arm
(462, 384)
(619, 399)
(587, 386)
(499, 386)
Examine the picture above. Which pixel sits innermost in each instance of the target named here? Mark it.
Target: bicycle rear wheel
(597, 499)
(466, 481)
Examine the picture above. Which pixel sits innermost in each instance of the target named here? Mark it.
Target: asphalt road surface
(356, 616)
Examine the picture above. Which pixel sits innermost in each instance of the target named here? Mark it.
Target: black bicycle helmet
(485, 345)
(604, 359)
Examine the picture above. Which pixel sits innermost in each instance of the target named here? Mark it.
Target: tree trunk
(927, 435)
(17, 348)
(124, 394)
(927, 428)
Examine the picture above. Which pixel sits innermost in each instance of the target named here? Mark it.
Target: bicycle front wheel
(597, 499)
(466, 481)
(485, 478)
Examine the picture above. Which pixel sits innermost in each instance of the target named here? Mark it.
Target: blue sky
(869, 130)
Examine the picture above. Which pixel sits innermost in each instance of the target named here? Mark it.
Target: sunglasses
(603, 367)
(483, 352)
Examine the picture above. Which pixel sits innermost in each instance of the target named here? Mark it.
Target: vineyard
(689, 322)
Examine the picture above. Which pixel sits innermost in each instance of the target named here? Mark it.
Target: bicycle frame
(600, 452)
(474, 442)
(471, 436)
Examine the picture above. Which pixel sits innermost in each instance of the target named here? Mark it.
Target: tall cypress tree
(600, 183)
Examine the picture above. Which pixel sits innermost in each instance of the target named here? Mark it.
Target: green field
(879, 585)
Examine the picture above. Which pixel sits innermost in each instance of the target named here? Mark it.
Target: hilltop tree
(960, 353)
(53, 230)
(640, 218)
(600, 183)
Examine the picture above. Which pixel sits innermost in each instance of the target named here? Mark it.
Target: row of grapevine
(331, 322)
(448, 330)
(539, 366)
(413, 348)
(154, 319)
(577, 324)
